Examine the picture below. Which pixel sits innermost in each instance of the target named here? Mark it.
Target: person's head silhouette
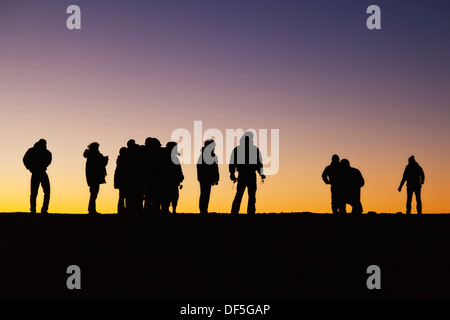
(209, 141)
(172, 147)
(411, 160)
(247, 139)
(345, 163)
(148, 142)
(335, 158)
(151, 142)
(41, 144)
(94, 146)
(209, 147)
(131, 143)
(156, 143)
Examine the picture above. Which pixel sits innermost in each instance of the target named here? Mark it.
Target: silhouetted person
(246, 160)
(172, 178)
(95, 173)
(328, 176)
(121, 179)
(153, 166)
(414, 178)
(349, 181)
(135, 192)
(37, 159)
(207, 173)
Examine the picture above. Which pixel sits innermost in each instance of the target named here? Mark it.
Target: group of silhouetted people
(149, 177)
(346, 183)
(245, 159)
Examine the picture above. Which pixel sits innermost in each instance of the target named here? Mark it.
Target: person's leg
(251, 190)
(121, 203)
(155, 198)
(94, 189)
(241, 185)
(165, 199)
(419, 200)
(140, 202)
(175, 196)
(132, 201)
(34, 191)
(45, 182)
(201, 200)
(356, 206)
(205, 191)
(147, 199)
(334, 199)
(343, 200)
(409, 194)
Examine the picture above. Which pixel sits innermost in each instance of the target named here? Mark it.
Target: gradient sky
(308, 68)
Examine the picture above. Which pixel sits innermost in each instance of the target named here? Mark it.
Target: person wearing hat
(172, 178)
(414, 178)
(36, 160)
(95, 173)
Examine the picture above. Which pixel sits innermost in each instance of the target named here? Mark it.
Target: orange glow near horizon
(366, 96)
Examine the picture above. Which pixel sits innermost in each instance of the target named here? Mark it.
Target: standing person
(135, 190)
(153, 157)
(414, 178)
(207, 173)
(37, 159)
(246, 160)
(95, 173)
(172, 178)
(121, 180)
(328, 176)
(349, 181)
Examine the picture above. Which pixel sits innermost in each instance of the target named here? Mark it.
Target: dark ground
(286, 256)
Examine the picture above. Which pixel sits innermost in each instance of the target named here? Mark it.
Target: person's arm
(26, 160)
(422, 176)
(260, 166)
(361, 180)
(199, 168)
(49, 159)
(216, 172)
(181, 173)
(403, 181)
(325, 176)
(232, 166)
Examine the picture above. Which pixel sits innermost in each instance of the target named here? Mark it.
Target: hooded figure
(246, 160)
(37, 159)
(207, 173)
(95, 173)
(414, 178)
(172, 178)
